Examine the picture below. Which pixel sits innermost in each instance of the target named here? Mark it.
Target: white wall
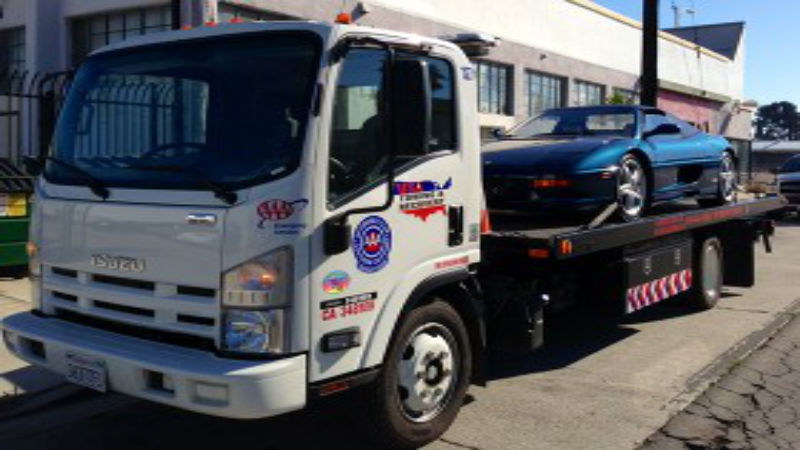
(567, 28)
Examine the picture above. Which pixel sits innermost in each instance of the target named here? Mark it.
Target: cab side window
(358, 153)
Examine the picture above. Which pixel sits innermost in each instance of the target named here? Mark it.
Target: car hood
(538, 156)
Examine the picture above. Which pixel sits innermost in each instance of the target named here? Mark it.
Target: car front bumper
(200, 381)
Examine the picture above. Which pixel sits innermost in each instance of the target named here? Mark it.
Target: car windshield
(578, 122)
(792, 165)
(231, 111)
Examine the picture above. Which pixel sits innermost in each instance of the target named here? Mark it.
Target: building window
(12, 51)
(494, 92)
(228, 13)
(587, 94)
(626, 96)
(92, 32)
(543, 92)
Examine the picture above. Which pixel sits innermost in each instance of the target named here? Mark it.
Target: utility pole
(649, 80)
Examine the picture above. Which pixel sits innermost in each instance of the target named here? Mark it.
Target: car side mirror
(663, 130)
(498, 133)
(34, 166)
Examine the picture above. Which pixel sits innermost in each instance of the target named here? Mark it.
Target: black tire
(392, 425)
(708, 275)
(725, 194)
(628, 212)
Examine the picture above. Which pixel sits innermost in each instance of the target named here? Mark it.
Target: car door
(389, 248)
(672, 154)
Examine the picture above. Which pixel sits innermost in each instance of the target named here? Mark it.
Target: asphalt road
(596, 385)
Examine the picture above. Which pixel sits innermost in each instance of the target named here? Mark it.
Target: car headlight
(256, 297)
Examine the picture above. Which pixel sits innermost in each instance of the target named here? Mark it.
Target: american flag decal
(652, 292)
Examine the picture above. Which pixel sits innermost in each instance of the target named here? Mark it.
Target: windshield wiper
(219, 192)
(96, 186)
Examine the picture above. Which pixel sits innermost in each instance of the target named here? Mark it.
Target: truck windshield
(578, 122)
(232, 109)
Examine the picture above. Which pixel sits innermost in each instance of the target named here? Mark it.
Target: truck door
(389, 249)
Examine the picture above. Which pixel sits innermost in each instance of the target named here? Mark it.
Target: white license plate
(86, 371)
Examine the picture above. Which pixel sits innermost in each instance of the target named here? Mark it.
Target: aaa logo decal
(336, 282)
(277, 210)
(422, 199)
(372, 244)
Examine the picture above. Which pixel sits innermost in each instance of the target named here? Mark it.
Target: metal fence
(29, 105)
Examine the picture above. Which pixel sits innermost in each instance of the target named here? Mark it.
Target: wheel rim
(428, 372)
(632, 187)
(727, 175)
(711, 271)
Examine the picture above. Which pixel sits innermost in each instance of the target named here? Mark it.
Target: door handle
(455, 225)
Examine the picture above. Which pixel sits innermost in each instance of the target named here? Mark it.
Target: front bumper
(202, 381)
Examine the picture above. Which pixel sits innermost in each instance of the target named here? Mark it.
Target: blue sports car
(590, 157)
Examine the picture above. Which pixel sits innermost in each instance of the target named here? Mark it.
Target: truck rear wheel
(707, 288)
(424, 378)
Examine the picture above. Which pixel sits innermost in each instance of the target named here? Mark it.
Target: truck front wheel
(424, 378)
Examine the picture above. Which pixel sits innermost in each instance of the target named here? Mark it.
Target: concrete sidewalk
(16, 376)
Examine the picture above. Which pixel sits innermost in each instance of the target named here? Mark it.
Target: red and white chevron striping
(652, 292)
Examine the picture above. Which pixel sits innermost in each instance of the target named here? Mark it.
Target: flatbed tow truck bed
(556, 241)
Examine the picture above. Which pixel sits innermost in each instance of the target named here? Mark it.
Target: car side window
(358, 156)
(653, 120)
(687, 129)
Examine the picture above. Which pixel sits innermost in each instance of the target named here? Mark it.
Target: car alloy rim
(727, 175)
(632, 186)
(711, 271)
(427, 374)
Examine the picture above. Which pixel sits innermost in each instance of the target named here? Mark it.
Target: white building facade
(553, 53)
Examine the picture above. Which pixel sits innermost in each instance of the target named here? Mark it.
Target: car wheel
(726, 185)
(632, 193)
(424, 378)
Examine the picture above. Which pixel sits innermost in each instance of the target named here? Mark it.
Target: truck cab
(232, 216)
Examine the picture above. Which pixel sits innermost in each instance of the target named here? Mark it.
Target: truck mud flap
(738, 252)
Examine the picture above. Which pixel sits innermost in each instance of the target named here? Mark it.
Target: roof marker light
(344, 18)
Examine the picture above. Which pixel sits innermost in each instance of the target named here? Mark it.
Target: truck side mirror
(410, 106)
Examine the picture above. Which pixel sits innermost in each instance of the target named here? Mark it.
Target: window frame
(12, 39)
(560, 81)
(349, 197)
(505, 99)
(578, 83)
(83, 24)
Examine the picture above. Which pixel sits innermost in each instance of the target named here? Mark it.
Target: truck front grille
(164, 337)
(154, 306)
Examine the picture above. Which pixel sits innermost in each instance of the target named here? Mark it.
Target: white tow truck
(239, 220)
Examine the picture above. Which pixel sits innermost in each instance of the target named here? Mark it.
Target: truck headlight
(255, 299)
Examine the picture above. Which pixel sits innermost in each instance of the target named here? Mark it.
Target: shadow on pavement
(330, 425)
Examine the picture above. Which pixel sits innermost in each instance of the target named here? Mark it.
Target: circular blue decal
(372, 243)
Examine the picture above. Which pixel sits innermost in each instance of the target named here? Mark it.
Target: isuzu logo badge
(121, 263)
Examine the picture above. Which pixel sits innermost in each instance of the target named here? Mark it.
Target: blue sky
(773, 33)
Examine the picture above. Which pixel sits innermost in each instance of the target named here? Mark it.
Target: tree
(779, 120)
